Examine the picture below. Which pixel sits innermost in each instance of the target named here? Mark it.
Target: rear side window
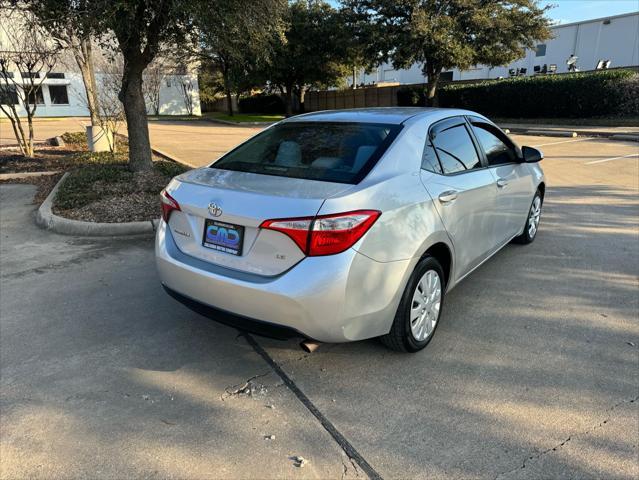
(331, 152)
(429, 159)
(497, 151)
(456, 150)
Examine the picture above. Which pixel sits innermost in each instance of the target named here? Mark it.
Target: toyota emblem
(215, 209)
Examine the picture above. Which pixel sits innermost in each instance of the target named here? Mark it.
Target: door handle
(448, 196)
(501, 183)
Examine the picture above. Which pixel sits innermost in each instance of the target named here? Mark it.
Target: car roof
(387, 115)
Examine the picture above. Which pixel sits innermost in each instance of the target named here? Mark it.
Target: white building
(613, 38)
(62, 92)
(62, 95)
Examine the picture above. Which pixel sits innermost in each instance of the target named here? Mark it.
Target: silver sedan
(345, 225)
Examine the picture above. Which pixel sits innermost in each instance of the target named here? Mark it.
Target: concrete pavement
(104, 376)
(533, 372)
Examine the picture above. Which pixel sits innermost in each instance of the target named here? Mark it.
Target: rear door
(512, 179)
(462, 189)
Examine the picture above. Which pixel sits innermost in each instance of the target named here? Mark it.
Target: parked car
(345, 225)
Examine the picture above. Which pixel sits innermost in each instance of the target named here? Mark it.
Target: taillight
(168, 205)
(325, 234)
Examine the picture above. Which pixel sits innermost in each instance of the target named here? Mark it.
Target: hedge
(272, 104)
(587, 94)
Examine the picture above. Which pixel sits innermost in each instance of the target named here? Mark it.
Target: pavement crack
(354, 456)
(560, 445)
(249, 388)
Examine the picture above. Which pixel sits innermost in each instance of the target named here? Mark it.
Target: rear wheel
(418, 313)
(532, 221)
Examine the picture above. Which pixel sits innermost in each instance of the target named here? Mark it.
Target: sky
(568, 11)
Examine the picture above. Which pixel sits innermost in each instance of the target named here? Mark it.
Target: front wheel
(532, 221)
(418, 313)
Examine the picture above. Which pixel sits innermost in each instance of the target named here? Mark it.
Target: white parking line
(564, 141)
(611, 159)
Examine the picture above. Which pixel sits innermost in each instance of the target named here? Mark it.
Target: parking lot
(533, 373)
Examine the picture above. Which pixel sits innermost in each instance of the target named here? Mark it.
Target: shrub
(587, 94)
(411, 97)
(630, 96)
(75, 138)
(262, 104)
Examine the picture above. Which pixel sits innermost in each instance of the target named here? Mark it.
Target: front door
(512, 181)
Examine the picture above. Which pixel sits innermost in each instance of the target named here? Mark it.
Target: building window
(55, 75)
(36, 97)
(30, 74)
(540, 51)
(446, 76)
(5, 75)
(58, 94)
(8, 95)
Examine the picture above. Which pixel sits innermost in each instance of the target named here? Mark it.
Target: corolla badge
(215, 209)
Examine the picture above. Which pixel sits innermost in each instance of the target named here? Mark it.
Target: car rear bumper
(336, 298)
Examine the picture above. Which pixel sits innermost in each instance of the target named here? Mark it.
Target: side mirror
(531, 155)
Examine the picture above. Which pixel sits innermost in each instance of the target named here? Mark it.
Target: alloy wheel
(426, 305)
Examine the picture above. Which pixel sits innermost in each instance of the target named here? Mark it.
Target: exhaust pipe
(309, 346)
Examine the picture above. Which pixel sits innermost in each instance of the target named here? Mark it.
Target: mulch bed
(99, 188)
(48, 158)
(110, 194)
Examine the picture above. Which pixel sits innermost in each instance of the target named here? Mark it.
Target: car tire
(531, 227)
(426, 285)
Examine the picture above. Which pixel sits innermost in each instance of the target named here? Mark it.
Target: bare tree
(25, 63)
(152, 80)
(69, 24)
(111, 111)
(187, 87)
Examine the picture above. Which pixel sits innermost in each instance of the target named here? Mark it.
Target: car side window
(497, 150)
(429, 159)
(456, 150)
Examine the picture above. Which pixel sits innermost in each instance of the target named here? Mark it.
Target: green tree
(312, 52)
(235, 38)
(445, 34)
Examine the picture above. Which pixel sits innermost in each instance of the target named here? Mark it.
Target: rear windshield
(330, 152)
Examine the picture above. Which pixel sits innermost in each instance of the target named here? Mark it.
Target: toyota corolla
(346, 225)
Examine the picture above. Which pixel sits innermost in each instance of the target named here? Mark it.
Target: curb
(45, 218)
(626, 137)
(237, 124)
(632, 137)
(16, 176)
(172, 158)
(552, 133)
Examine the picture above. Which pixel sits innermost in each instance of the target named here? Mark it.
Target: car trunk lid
(231, 203)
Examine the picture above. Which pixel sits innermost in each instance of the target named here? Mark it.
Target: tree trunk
(354, 77)
(132, 98)
(289, 100)
(15, 128)
(30, 151)
(301, 91)
(433, 72)
(84, 59)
